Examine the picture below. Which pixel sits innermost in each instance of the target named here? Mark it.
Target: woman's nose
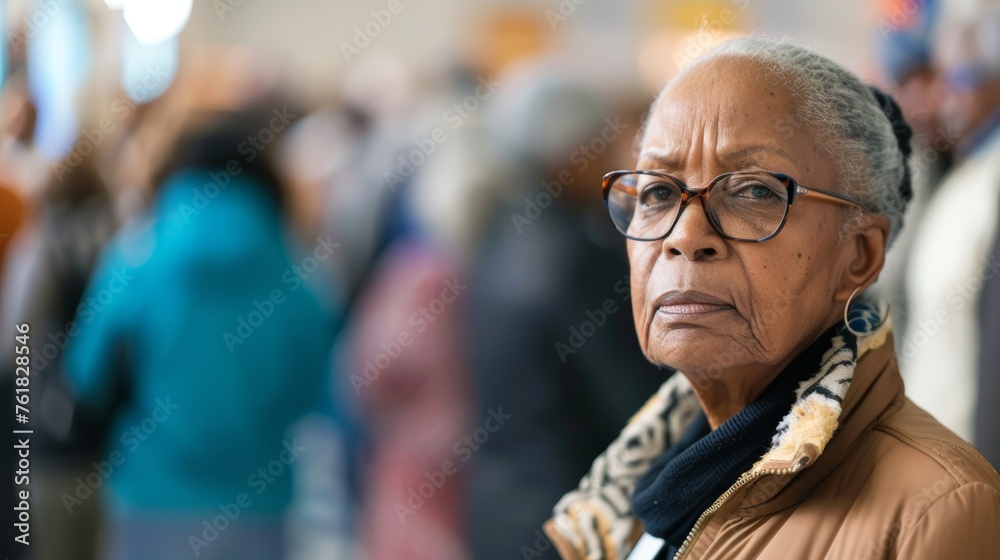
(693, 236)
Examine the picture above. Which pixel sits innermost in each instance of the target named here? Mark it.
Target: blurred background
(312, 279)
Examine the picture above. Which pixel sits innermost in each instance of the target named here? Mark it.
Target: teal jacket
(207, 320)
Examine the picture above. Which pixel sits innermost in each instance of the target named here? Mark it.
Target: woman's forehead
(739, 112)
(738, 156)
(725, 91)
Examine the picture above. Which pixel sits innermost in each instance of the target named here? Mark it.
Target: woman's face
(740, 304)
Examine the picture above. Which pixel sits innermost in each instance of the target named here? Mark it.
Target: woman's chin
(681, 336)
(695, 350)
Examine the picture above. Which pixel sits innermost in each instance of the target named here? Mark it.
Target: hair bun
(903, 134)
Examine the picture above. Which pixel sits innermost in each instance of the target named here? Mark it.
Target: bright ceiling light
(155, 21)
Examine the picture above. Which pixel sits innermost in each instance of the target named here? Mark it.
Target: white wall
(306, 34)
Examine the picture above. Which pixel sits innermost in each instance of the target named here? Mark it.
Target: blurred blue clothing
(143, 537)
(204, 315)
(906, 47)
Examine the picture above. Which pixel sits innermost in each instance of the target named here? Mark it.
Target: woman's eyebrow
(660, 158)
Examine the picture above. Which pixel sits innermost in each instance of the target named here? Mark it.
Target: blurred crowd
(393, 321)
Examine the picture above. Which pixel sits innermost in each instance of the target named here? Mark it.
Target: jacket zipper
(744, 479)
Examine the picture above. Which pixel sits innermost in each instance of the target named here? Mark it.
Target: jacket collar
(875, 390)
(857, 383)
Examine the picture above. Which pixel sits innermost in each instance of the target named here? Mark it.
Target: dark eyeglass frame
(688, 194)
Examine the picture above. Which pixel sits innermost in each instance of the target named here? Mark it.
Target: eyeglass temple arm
(828, 196)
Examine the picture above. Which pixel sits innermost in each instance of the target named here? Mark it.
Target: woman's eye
(658, 194)
(756, 191)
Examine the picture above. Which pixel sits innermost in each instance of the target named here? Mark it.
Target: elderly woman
(770, 183)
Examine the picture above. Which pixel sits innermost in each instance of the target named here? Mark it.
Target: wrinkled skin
(778, 296)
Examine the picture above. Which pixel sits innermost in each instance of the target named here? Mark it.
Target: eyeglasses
(741, 206)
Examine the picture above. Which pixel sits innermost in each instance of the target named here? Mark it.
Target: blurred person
(905, 51)
(13, 214)
(312, 154)
(199, 314)
(784, 431)
(411, 405)
(547, 317)
(22, 167)
(18, 167)
(409, 361)
(211, 78)
(410, 375)
(379, 118)
(953, 280)
(54, 257)
(21, 173)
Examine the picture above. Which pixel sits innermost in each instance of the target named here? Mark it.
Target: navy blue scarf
(690, 475)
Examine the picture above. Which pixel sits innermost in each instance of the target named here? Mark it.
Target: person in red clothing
(409, 374)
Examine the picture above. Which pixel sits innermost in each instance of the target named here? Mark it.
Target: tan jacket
(884, 480)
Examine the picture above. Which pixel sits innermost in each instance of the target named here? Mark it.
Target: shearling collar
(595, 521)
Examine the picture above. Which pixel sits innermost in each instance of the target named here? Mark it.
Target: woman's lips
(687, 304)
(689, 309)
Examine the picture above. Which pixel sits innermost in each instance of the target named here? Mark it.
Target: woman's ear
(866, 255)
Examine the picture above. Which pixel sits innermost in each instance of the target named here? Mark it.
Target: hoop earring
(847, 323)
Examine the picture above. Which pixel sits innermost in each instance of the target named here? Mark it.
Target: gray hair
(848, 119)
